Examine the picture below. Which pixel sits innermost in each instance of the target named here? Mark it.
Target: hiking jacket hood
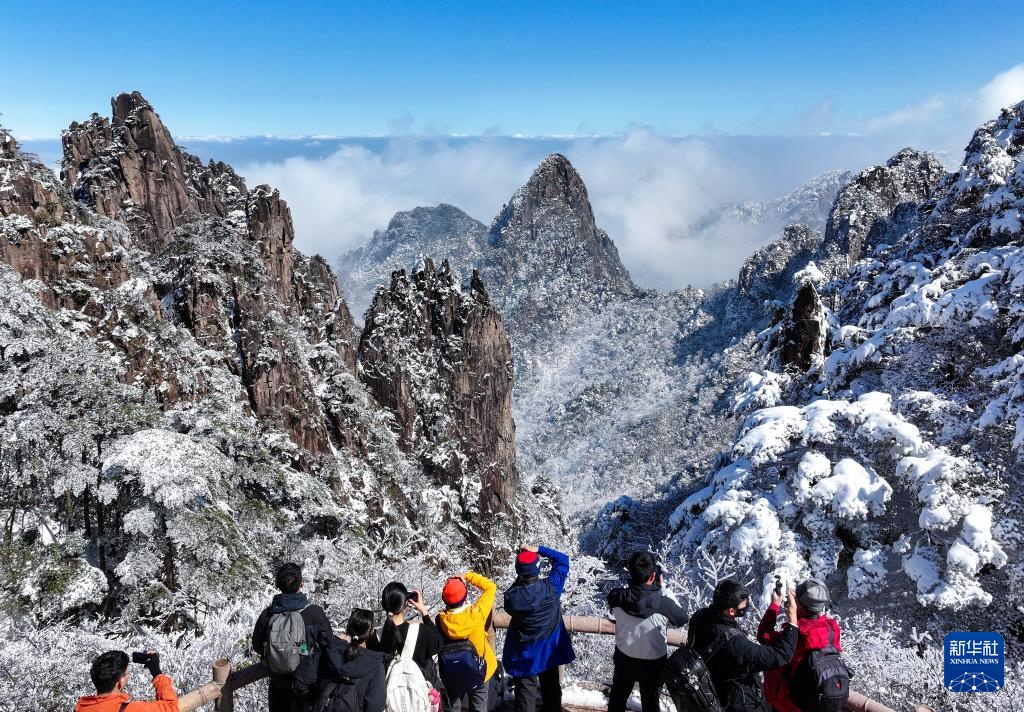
(814, 635)
(537, 639)
(735, 666)
(285, 602)
(166, 700)
(366, 671)
(643, 614)
(470, 622)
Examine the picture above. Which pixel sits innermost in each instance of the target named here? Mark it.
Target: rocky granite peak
(877, 201)
(768, 273)
(442, 232)
(439, 358)
(129, 168)
(547, 232)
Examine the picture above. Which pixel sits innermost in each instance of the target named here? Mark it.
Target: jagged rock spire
(866, 209)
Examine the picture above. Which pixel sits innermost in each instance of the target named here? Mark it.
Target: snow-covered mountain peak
(554, 181)
(868, 208)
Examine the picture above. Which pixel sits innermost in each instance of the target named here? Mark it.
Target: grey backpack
(286, 642)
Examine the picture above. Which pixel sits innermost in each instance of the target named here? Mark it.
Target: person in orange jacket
(110, 673)
(462, 620)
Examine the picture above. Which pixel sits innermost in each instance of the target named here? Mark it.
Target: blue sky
(370, 68)
(700, 105)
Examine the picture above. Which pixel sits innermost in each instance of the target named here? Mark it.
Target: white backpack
(408, 690)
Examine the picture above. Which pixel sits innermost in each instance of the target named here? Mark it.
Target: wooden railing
(220, 690)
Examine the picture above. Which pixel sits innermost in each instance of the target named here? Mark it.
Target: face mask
(740, 612)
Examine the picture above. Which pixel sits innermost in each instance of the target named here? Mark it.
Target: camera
(413, 596)
(142, 658)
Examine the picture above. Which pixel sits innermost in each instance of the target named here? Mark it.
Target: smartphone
(778, 585)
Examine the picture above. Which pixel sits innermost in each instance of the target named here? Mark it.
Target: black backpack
(337, 695)
(462, 670)
(822, 681)
(688, 679)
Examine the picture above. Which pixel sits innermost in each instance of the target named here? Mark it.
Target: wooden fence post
(222, 676)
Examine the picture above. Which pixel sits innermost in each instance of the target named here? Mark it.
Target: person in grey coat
(643, 612)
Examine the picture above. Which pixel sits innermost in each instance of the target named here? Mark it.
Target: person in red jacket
(815, 627)
(110, 673)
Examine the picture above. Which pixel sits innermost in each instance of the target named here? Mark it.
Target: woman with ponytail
(396, 601)
(349, 677)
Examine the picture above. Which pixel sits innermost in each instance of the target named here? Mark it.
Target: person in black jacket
(396, 599)
(734, 660)
(643, 613)
(289, 581)
(345, 668)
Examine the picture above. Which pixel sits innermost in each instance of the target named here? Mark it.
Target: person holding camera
(390, 638)
(537, 642)
(110, 672)
(462, 620)
(734, 660)
(796, 687)
(643, 612)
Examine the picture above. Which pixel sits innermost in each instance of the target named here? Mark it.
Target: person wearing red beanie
(468, 621)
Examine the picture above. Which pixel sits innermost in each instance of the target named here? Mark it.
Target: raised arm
(488, 590)
(670, 608)
(166, 698)
(766, 632)
(559, 567)
(757, 657)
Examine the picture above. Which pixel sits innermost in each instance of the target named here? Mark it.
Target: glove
(153, 664)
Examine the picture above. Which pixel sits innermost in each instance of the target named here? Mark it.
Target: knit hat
(812, 595)
(454, 592)
(528, 563)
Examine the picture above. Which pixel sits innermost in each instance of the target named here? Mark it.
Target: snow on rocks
(800, 473)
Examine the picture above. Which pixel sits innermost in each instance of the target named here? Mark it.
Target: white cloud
(945, 122)
(1005, 89)
(647, 190)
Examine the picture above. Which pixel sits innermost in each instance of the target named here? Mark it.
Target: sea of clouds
(648, 190)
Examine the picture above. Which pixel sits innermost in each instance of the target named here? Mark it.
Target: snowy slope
(893, 463)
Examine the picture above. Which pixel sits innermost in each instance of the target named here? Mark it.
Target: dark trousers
(477, 700)
(630, 671)
(280, 699)
(548, 684)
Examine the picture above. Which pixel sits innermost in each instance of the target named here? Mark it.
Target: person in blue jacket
(537, 641)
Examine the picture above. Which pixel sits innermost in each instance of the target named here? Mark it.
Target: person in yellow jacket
(462, 620)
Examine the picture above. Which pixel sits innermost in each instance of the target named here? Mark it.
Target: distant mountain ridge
(606, 372)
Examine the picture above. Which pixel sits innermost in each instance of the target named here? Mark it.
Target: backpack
(688, 679)
(286, 642)
(337, 695)
(462, 670)
(408, 690)
(821, 683)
